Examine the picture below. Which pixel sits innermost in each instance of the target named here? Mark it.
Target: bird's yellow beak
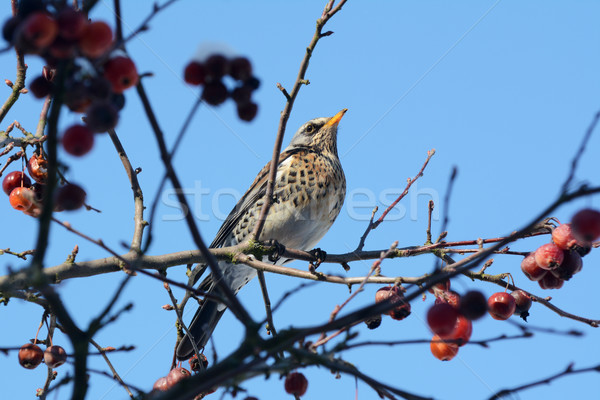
(336, 118)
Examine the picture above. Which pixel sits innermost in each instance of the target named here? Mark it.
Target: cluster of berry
(556, 262)
(210, 74)
(394, 295)
(30, 356)
(27, 197)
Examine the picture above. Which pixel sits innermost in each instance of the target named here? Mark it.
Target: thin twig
(115, 374)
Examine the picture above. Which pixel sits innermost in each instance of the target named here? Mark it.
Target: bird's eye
(310, 128)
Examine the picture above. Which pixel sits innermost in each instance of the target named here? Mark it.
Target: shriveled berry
(194, 73)
(30, 356)
(161, 384)
(531, 269)
(441, 350)
(101, 116)
(501, 305)
(217, 66)
(240, 68)
(78, 140)
(96, 39)
(70, 197)
(373, 322)
(14, 180)
(247, 111)
(215, 93)
(198, 365)
(40, 87)
(121, 73)
(38, 168)
(71, 23)
(394, 295)
(296, 383)
(176, 375)
(473, 305)
(440, 287)
(522, 302)
(448, 296)
(549, 256)
(441, 318)
(55, 356)
(571, 265)
(549, 281)
(586, 224)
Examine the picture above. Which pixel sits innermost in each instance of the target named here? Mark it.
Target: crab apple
(448, 296)
(30, 356)
(564, 238)
(241, 94)
(473, 305)
(37, 31)
(101, 116)
(194, 73)
(55, 356)
(240, 68)
(40, 87)
(373, 322)
(38, 168)
(462, 331)
(96, 39)
(442, 286)
(23, 199)
(78, 140)
(77, 96)
(441, 319)
(531, 269)
(571, 265)
(522, 302)
(121, 73)
(441, 350)
(549, 256)
(217, 66)
(10, 27)
(501, 305)
(549, 281)
(296, 384)
(71, 23)
(215, 93)
(586, 224)
(14, 180)
(161, 384)
(70, 197)
(393, 294)
(247, 111)
(176, 375)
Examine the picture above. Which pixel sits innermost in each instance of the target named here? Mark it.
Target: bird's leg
(279, 249)
(319, 256)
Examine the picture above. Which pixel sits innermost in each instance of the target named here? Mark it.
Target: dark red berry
(522, 302)
(586, 224)
(296, 384)
(373, 322)
(71, 23)
(217, 66)
(101, 116)
(549, 281)
(448, 296)
(55, 356)
(571, 265)
(501, 305)
(13, 180)
(176, 375)
(78, 140)
(70, 197)
(391, 294)
(247, 111)
(441, 319)
(30, 356)
(549, 256)
(9, 28)
(531, 269)
(40, 87)
(473, 305)
(240, 68)
(241, 94)
(214, 93)
(37, 32)
(252, 82)
(77, 96)
(194, 73)
(161, 384)
(121, 73)
(462, 331)
(96, 39)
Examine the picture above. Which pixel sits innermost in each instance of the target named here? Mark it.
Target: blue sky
(501, 89)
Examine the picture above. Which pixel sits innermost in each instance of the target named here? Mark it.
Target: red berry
(217, 67)
(77, 96)
(101, 116)
(586, 224)
(55, 356)
(473, 305)
(194, 73)
(549, 281)
(38, 168)
(441, 350)
(240, 68)
(78, 140)
(40, 87)
(571, 265)
(394, 295)
(549, 256)
(247, 111)
(531, 269)
(176, 375)
(62, 48)
(441, 319)
(462, 331)
(70, 197)
(37, 31)
(23, 199)
(522, 302)
(121, 73)
(96, 39)
(448, 296)
(161, 384)
(215, 93)
(563, 237)
(30, 356)
(501, 305)
(71, 23)
(296, 384)
(13, 180)
(241, 94)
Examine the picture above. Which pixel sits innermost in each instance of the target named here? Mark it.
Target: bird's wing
(254, 194)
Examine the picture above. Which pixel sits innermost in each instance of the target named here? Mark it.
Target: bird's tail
(201, 328)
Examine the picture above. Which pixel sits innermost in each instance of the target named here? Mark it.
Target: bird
(309, 192)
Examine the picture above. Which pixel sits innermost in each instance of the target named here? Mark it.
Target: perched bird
(309, 192)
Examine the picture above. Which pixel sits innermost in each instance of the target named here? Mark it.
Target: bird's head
(320, 133)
